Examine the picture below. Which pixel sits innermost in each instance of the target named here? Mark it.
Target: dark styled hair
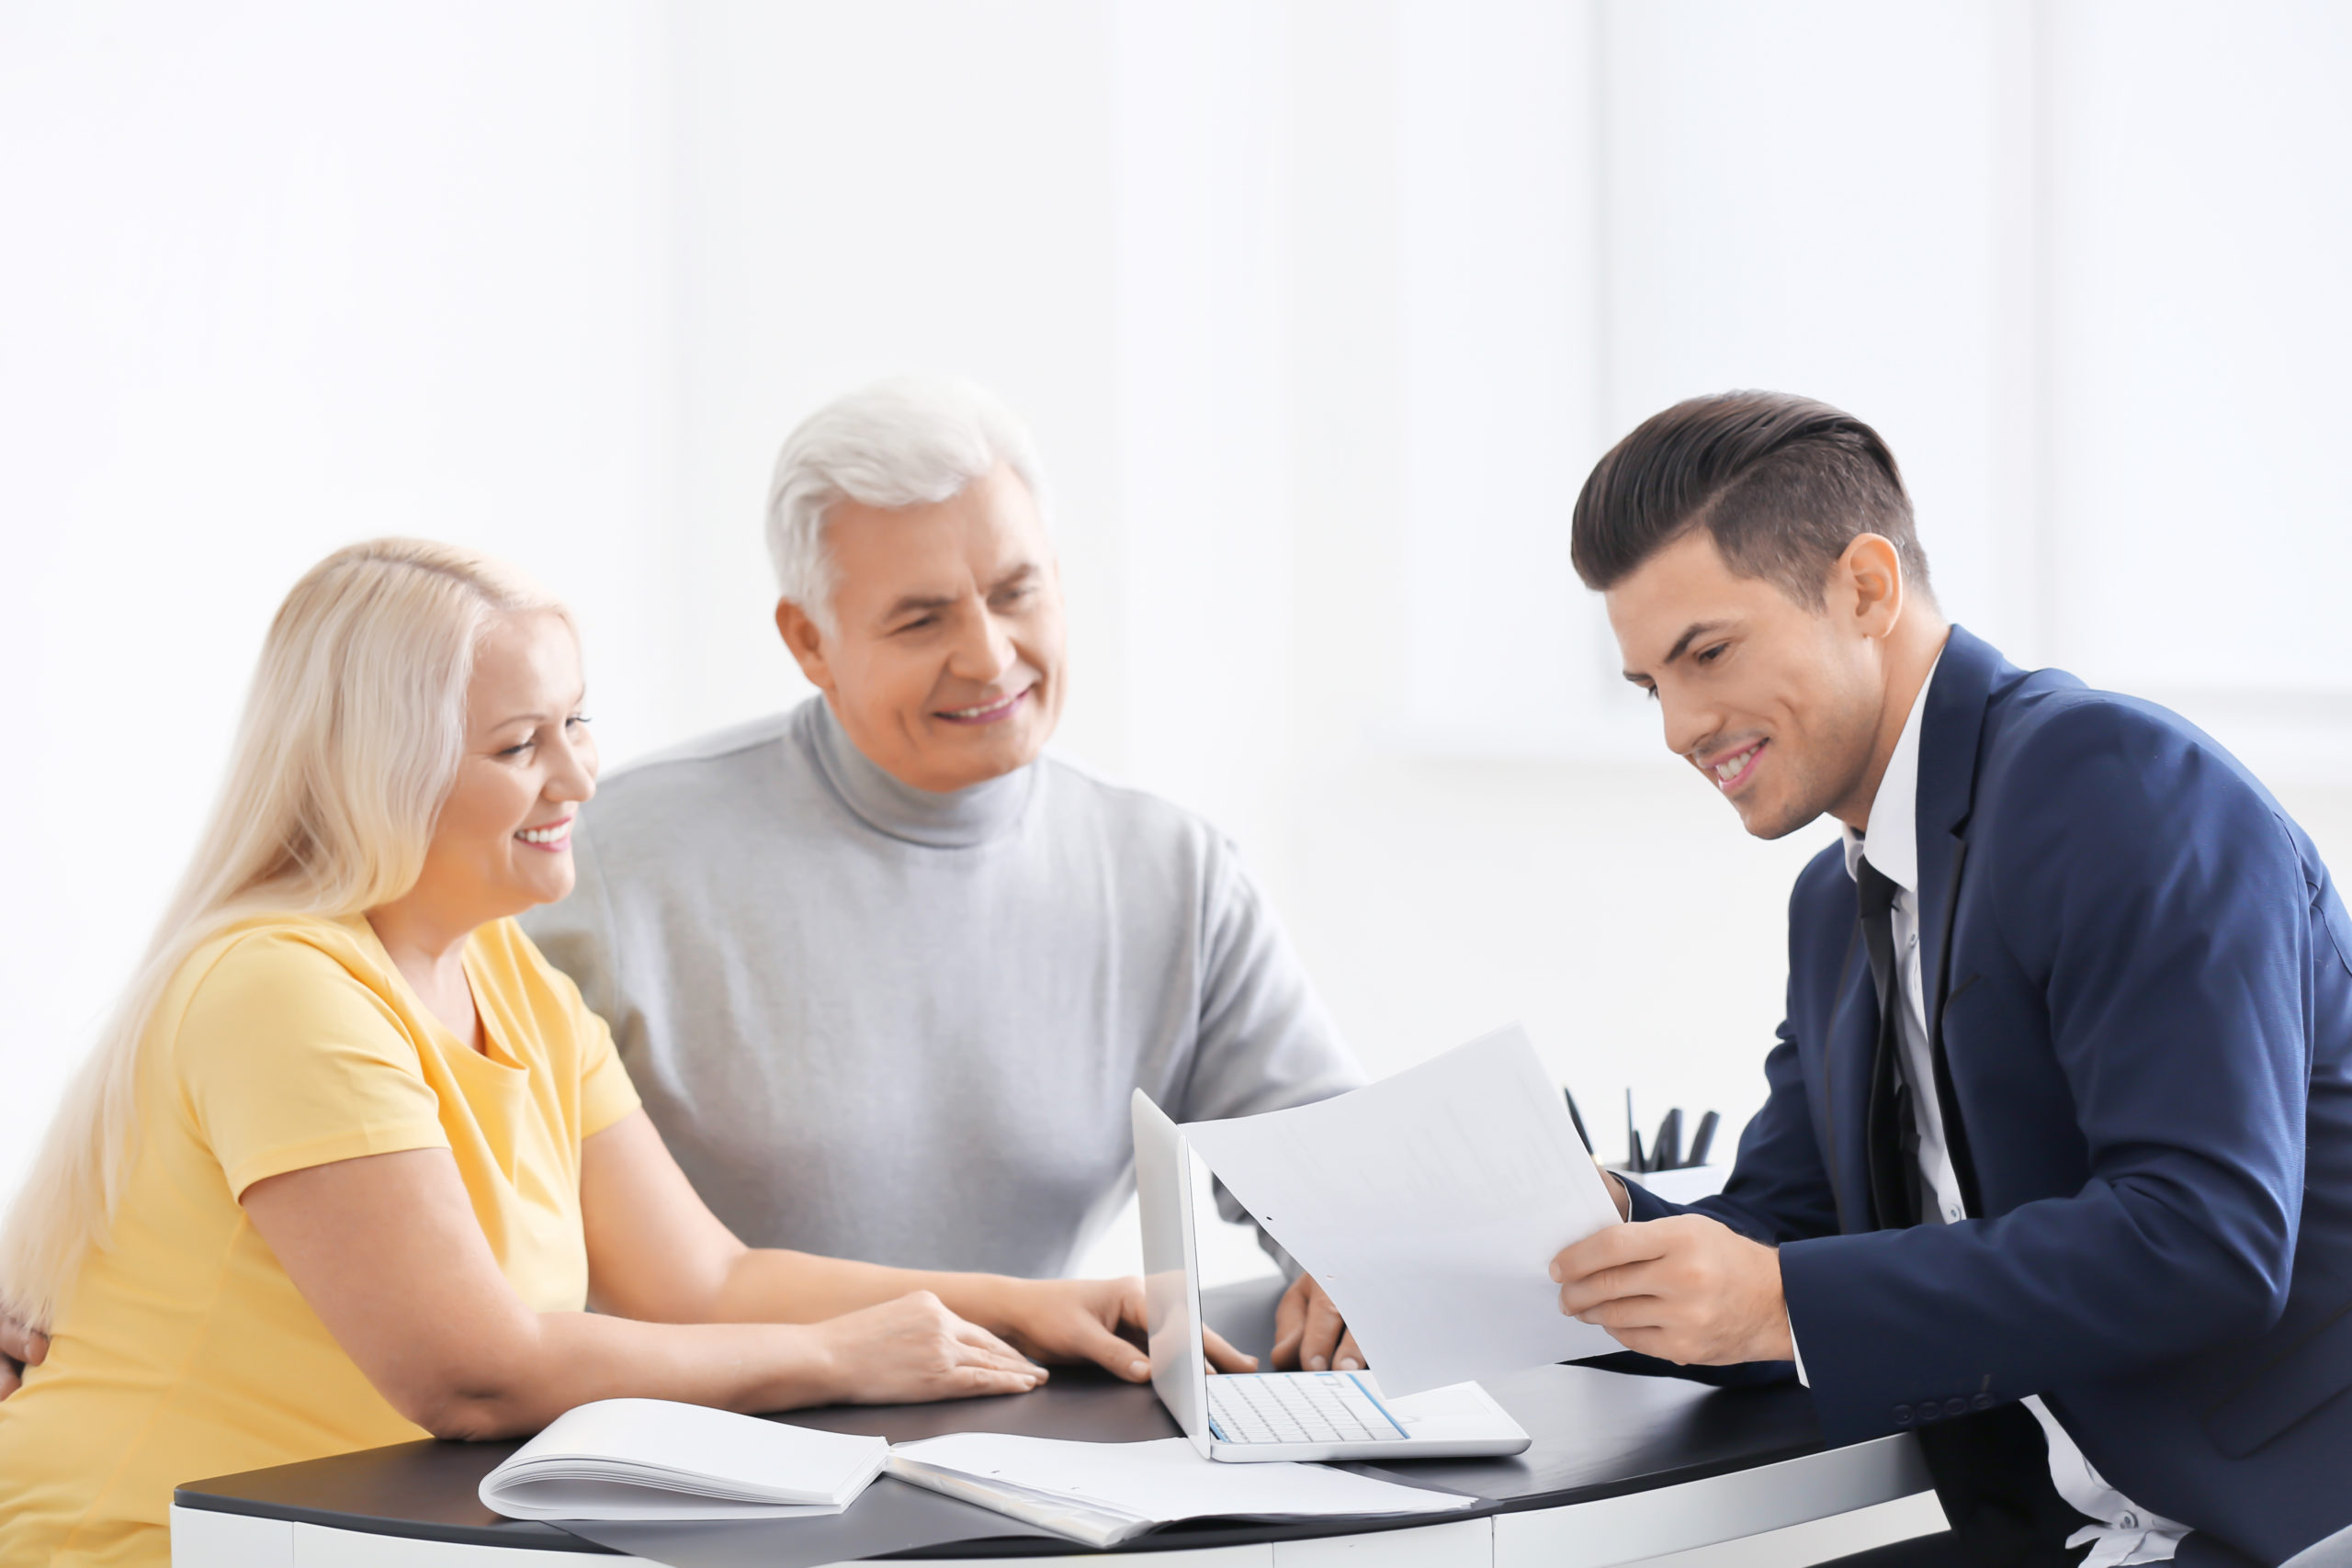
(1784, 483)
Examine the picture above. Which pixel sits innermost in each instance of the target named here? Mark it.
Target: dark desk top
(1597, 1433)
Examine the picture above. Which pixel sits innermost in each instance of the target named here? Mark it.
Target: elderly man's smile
(991, 711)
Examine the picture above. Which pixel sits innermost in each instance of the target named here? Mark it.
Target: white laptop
(1275, 1416)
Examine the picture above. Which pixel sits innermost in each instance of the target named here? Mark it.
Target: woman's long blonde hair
(350, 740)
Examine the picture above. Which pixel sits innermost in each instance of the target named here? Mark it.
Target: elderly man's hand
(1309, 1333)
(19, 1347)
(1688, 1289)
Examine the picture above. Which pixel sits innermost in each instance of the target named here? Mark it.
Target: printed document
(1430, 1205)
(1106, 1492)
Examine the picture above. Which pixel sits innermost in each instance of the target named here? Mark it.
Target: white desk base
(1620, 1530)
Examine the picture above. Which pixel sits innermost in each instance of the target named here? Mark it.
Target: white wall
(557, 279)
(862, 189)
(2071, 258)
(278, 277)
(2076, 259)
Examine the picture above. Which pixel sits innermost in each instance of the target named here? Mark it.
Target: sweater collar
(956, 819)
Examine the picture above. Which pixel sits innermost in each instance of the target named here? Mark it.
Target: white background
(1321, 309)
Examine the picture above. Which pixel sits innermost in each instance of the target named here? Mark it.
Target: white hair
(351, 739)
(908, 440)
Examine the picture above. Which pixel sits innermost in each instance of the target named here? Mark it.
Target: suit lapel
(1951, 733)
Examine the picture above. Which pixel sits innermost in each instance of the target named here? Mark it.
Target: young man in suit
(2056, 1166)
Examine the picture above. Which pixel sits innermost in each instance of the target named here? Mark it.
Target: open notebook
(650, 1458)
(647, 1459)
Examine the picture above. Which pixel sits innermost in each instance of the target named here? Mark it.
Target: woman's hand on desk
(1309, 1333)
(1081, 1320)
(913, 1349)
(656, 1252)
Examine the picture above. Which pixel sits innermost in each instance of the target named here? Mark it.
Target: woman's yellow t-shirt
(184, 1351)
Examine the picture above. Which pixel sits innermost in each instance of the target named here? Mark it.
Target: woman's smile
(553, 837)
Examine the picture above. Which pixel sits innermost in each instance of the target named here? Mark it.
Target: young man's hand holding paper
(1430, 1207)
(1687, 1288)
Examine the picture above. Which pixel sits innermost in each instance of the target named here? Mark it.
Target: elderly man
(882, 972)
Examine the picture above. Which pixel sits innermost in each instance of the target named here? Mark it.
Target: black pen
(1577, 1116)
(1666, 1151)
(1704, 1138)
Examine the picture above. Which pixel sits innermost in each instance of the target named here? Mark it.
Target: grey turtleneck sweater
(876, 1022)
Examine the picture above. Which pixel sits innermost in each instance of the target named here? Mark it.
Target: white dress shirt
(2122, 1533)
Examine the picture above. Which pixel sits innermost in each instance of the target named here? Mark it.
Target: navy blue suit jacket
(2139, 994)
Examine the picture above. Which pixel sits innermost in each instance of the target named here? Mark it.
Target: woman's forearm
(386, 1250)
(767, 1285)
(569, 1359)
(656, 1252)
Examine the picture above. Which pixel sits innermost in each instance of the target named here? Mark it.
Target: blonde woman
(353, 1158)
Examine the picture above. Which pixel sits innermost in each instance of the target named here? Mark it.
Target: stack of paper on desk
(1431, 1206)
(650, 1458)
(1102, 1493)
(642, 1460)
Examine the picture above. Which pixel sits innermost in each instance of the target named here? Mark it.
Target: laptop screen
(1171, 1269)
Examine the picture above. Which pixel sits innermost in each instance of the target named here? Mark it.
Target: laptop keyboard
(1297, 1407)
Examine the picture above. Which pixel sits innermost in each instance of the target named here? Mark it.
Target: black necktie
(1892, 1129)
